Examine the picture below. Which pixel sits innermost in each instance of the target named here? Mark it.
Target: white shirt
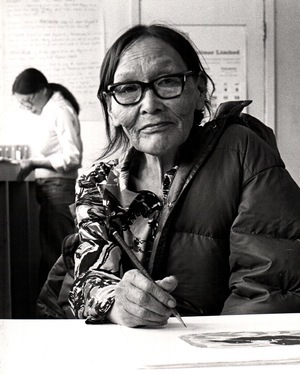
(58, 139)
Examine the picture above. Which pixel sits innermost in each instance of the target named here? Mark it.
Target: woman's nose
(150, 102)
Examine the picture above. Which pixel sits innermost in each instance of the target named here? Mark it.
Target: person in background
(207, 206)
(57, 161)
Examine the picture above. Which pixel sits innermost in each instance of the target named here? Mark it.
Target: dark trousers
(54, 196)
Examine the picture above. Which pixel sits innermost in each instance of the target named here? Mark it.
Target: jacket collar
(191, 156)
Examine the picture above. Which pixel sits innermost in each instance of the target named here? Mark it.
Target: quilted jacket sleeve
(97, 259)
(265, 238)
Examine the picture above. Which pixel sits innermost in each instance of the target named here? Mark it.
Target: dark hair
(66, 94)
(29, 82)
(174, 38)
(32, 80)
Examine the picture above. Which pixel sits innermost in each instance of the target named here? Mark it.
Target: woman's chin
(153, 149)
(157, 145)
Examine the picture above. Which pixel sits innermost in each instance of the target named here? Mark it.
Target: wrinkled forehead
(149, 53)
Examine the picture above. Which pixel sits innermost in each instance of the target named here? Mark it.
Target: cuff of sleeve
(57, 163)
(102, 318)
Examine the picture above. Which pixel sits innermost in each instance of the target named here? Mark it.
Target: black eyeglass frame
(146, 85)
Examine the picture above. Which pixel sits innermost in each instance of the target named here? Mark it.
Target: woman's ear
(112, 118)
(202, 87)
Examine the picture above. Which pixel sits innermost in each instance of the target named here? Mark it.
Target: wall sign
(223, 50)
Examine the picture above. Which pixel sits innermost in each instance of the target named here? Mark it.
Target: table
(19, 244)
(73, 347)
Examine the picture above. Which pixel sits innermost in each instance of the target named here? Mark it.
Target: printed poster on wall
(223, 54)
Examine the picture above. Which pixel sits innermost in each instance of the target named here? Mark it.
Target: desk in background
(72, 347)
(19, 247)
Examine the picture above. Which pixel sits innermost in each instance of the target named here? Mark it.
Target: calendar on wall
(223, 54)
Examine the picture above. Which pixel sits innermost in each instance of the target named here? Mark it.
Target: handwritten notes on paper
(63, 39)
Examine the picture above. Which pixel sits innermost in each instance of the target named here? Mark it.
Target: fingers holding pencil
(171, 303)
(141, 302)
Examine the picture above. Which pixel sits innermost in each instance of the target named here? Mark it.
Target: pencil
(140, 267)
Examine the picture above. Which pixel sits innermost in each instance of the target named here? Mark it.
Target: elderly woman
(209, 210)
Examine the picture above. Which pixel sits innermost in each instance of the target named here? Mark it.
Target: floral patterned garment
(104, 203)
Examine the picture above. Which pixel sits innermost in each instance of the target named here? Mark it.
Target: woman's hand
(26, 167)
(141, 302)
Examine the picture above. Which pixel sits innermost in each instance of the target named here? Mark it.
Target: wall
(118, 15)
(288, 83)
(287, 71)
(117, 18)
(66, 40)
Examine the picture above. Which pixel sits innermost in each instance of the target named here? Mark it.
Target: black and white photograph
(149, 186)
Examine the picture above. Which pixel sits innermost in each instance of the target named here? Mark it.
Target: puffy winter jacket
(230, 232)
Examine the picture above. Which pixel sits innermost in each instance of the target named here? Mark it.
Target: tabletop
(226, 343)
(9, 170)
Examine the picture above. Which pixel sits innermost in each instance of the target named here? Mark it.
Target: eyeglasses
(166, 87)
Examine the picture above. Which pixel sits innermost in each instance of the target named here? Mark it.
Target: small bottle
(25, 152)
(18, 153)
(7, 152)
(13, 152)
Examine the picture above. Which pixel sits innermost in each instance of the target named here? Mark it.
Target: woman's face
(33, 102)
(155, 126)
